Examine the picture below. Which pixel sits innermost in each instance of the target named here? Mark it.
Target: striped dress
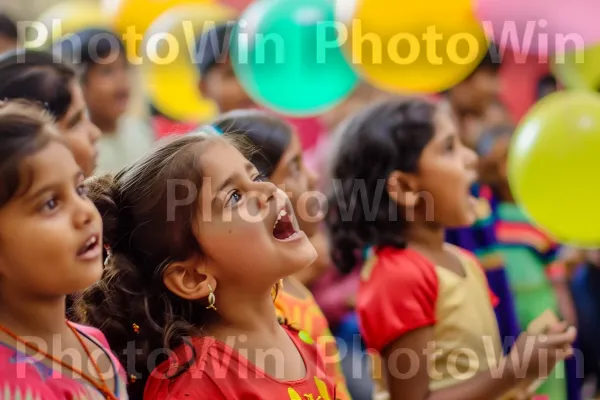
(527, 252)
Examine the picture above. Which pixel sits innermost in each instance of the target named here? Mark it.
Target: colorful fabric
(25, 377)
(481, 240)
(401, 291)
(305, 314)
(219, 372)
(527, 252)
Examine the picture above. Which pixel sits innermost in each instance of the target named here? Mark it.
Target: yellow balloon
(170, 74)
(141, 13)
(69, 17)
(553, 166)
(579, 69)
(412, 46)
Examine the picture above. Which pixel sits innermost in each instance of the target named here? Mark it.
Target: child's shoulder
(92, 333)
(390, 264)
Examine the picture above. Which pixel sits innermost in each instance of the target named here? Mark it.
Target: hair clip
(213, 129)
(132, 378)
(136, 328)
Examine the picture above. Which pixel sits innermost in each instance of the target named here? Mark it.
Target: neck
(427, 235)
(106, 125)
(243, 312)
(40, 318)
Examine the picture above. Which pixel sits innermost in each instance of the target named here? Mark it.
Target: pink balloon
(542, 27)
(239, 5)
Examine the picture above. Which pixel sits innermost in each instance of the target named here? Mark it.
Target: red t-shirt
(400, 292)
(220, 372)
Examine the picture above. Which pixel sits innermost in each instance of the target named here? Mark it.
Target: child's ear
(202, 87)
(189, 279)
(402, 188)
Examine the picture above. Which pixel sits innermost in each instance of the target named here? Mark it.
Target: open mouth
(286, 227)
(91, 249)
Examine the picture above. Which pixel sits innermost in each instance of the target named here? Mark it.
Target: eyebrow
(46, 188)
(75, 118)
(296, 159)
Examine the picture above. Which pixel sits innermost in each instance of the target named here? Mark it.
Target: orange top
(305, 314)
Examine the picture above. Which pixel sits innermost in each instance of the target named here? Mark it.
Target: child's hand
(534, 356)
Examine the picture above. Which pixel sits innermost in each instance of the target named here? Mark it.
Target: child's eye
(82, 190)
(235, 198)
(50, 205)
(260, 178)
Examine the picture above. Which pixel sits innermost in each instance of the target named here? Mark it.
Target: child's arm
(558, 276)
(406, 365)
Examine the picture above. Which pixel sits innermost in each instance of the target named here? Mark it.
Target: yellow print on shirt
(323, 394)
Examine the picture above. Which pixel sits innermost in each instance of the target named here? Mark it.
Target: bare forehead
(52, 164)
(221, 160)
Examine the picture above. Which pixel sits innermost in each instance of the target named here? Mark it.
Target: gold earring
(211, 299)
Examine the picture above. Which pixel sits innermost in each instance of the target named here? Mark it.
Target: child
(50, 246)
(537, 281)
(401, 176)
(278, 156)
(9, 34)
(217, 79)
(471, 98)
(188, 281)
(100, 54)
(35, 76)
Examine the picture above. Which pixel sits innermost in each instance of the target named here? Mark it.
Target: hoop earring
(211, 299)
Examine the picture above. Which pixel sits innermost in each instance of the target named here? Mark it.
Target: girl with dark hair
(278, 156)
(401, 176)
(50, 246)
(197, 241)
(37, 77)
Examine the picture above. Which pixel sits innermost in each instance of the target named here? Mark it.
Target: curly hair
(386, 137)
(144, 235)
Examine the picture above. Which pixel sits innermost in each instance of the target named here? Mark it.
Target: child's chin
(303, 257)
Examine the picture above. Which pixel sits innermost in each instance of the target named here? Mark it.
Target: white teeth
(91, 241)
(281, 214)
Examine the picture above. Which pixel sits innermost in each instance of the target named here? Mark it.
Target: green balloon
(579, 69)
(287, 56)
(553, 166)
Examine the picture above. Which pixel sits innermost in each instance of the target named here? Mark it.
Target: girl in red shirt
(197, 240)
(279, 157)
(401, 176)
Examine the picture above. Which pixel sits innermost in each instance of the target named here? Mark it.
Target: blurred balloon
(169, 70)
(286, 58)
(540, 26)
(66, 18)
(412, 46)
(553, 166)
(579, 69)
(141, 13)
